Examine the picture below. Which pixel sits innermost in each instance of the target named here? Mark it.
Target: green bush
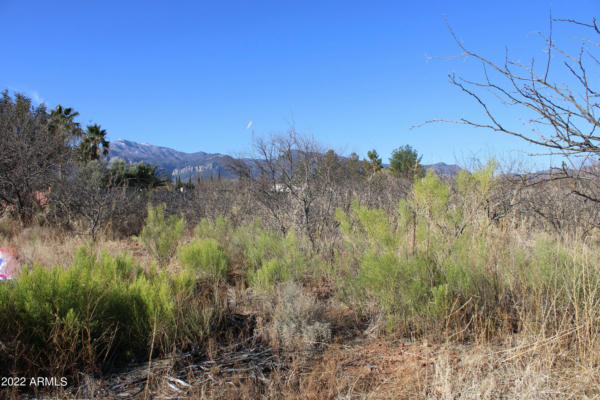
(205, 256)
(264, 257)
(420, 266)
(274, 258)
(220, 229)
(161, 234)
(99, 312)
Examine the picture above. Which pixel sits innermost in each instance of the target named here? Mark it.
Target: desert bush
(428, 261)
(219, 229)
(441, 264)
(298, 321)
(161, 234)
(96, 313)
(205, 256)
(274, 258)
(101, 312)
(560, 288)
(262, 256)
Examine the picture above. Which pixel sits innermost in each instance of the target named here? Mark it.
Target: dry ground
(364, 369)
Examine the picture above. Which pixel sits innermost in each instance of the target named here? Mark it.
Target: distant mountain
(190, 165)
(175, 163)
(443, 168)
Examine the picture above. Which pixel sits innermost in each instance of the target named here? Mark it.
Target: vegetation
(311, 275)
(138, 175)
(405, 161)
(94, 143)
(161, 234)
(99, 312)
(205, 256)
(31, 154)
(374, 162)
(435, 267)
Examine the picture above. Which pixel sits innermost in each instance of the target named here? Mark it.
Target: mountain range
(190, 165)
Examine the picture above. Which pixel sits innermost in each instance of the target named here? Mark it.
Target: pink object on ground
(8, 263)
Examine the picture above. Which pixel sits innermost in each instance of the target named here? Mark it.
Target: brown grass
(360, 361)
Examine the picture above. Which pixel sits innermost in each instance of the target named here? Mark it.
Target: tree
(139, 175)
(62, 122)
(296, 182)
(94, 143)
(562, 109)
(374, 163)
(405, 162)
(31, 155)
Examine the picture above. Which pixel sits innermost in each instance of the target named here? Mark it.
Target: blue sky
(191, 75)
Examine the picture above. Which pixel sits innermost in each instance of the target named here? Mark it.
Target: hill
(190, 165)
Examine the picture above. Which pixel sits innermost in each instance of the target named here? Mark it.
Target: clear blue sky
(191, 75)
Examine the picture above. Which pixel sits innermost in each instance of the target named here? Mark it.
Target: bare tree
(31, 155)
(562, 110)
(298, 184)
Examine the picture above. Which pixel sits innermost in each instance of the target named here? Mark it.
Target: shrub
(161, 234)
(98, 312)
(298, 320)
(220, 229)
(263, 256)
(205, 256)
(274, 258)
(446, 267)
(102, 311)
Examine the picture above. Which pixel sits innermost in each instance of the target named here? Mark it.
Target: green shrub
(161, 234)
(271, 273)
(420, 267)
(220, 229)
(263, 256)
(205, 256)
(274, 258)
(99, 312)
(401, 287)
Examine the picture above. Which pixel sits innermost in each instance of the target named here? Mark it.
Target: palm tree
(62, 122)
(94, 139)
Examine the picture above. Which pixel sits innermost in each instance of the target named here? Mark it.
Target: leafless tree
(558, 96)
(299, 185)
(31, 155)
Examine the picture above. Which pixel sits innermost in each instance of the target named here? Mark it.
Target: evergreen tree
(406, 162)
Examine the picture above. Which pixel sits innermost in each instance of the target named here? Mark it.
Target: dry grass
(364, 369)
(357, 359)
(530, 370)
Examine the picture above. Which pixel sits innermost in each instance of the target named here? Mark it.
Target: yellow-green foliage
(462, 270)
(205, 256)
(274, 258)
(161, 234)
(100, 311)
(401, 286)
(447, 266)
(220, 229)
(266, 257)
(568, 276)
(368, 230)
